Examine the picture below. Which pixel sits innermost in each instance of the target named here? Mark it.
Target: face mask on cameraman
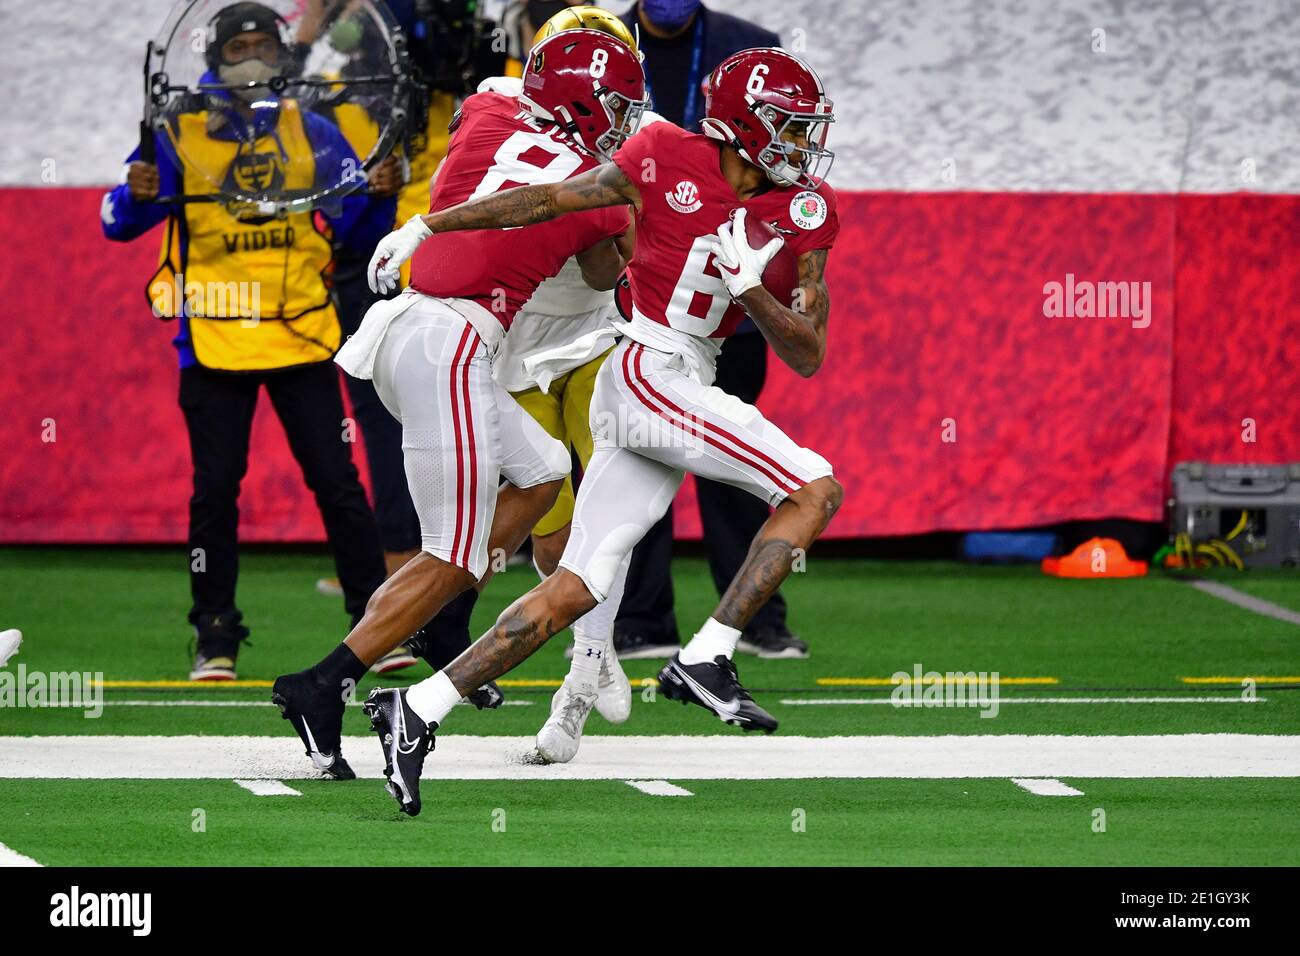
(262, 65)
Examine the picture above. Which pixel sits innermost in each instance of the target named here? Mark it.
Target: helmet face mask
(619, 128)
(785, 161)
(770, 106)
(588, 83)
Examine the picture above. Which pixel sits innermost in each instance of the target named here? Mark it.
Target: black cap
(236, 19)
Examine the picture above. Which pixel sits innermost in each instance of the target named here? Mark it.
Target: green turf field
(1095, 661)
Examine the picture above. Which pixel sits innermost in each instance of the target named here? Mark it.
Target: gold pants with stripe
(564, 412)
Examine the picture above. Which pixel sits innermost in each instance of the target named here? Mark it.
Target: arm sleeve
(363, 219)
(124, 218)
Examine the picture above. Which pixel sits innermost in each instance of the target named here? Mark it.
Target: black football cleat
(405, 739)
(716, 688)
(316, 713)
(487, 697)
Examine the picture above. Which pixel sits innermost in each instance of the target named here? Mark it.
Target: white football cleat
(10, 641)
(613, 690)
(557, 741)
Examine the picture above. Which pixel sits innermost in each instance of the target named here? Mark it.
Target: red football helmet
(580, 79)
(756, 95)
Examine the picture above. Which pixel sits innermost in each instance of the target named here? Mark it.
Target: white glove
(394, 249)
(740, 263)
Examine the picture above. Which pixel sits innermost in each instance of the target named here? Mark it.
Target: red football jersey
(497, 145)
(684, 199)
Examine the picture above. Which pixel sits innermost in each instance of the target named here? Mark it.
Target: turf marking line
(845, 701)
(1046, 788)
(268, 788)
(10, 857)
(729, 757)
(944, 681)
(659, 788)
(1247, 601)
(1239, 681)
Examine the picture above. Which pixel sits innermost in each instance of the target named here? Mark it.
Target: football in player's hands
(781, 275)
(755, 256)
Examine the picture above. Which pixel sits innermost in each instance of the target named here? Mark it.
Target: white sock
(709, 641)
(593, 631)
(433, 698)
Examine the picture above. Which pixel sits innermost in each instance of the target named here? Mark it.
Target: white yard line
(845, 701)
(731, 757)
(1046, 788)
(659, 788)
(268, 788)
(10, 857)
(1246, 601)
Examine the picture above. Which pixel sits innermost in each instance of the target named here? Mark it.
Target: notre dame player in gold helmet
(587, 18)
(563, 312)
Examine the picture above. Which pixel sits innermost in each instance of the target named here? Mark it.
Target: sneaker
(613, 690)
(329, 587)
(406, 740)
(220, 667)
(715, 686)
(631, 646)
(316, 713)
(395, 660)
(557, 741)
(216, 646)
(773, 643)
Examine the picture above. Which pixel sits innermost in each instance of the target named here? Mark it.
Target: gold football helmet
(588, 18)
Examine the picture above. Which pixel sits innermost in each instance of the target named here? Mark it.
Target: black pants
(218, 408)
(399, 526)
(730, 517)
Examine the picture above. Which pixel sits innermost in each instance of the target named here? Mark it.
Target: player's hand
(386, 178)
(740, 263)
(142, 180)
(394, 249)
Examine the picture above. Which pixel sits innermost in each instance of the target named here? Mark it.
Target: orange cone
(1096, 558)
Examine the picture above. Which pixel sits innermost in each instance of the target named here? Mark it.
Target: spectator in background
(283, 337)
(683, 41)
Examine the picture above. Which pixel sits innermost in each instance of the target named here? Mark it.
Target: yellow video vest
(255, 287)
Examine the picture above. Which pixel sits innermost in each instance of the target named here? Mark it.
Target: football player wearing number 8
(430, 351)
(694, 275)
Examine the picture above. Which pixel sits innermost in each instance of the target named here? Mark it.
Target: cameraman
(281, 333)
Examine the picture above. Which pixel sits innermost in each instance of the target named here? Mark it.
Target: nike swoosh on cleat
(322, 760)
(728, 707)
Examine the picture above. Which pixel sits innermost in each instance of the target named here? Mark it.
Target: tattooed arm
(522, 206)
(797, 334)
(525, 205)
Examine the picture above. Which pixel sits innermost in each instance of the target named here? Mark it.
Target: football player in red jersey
(429, 351)
(655, 415)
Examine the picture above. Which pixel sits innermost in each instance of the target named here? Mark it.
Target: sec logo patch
(807, 210)
(685, 198)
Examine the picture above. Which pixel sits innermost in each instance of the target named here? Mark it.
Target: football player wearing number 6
(694, 275)
(430, 351)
